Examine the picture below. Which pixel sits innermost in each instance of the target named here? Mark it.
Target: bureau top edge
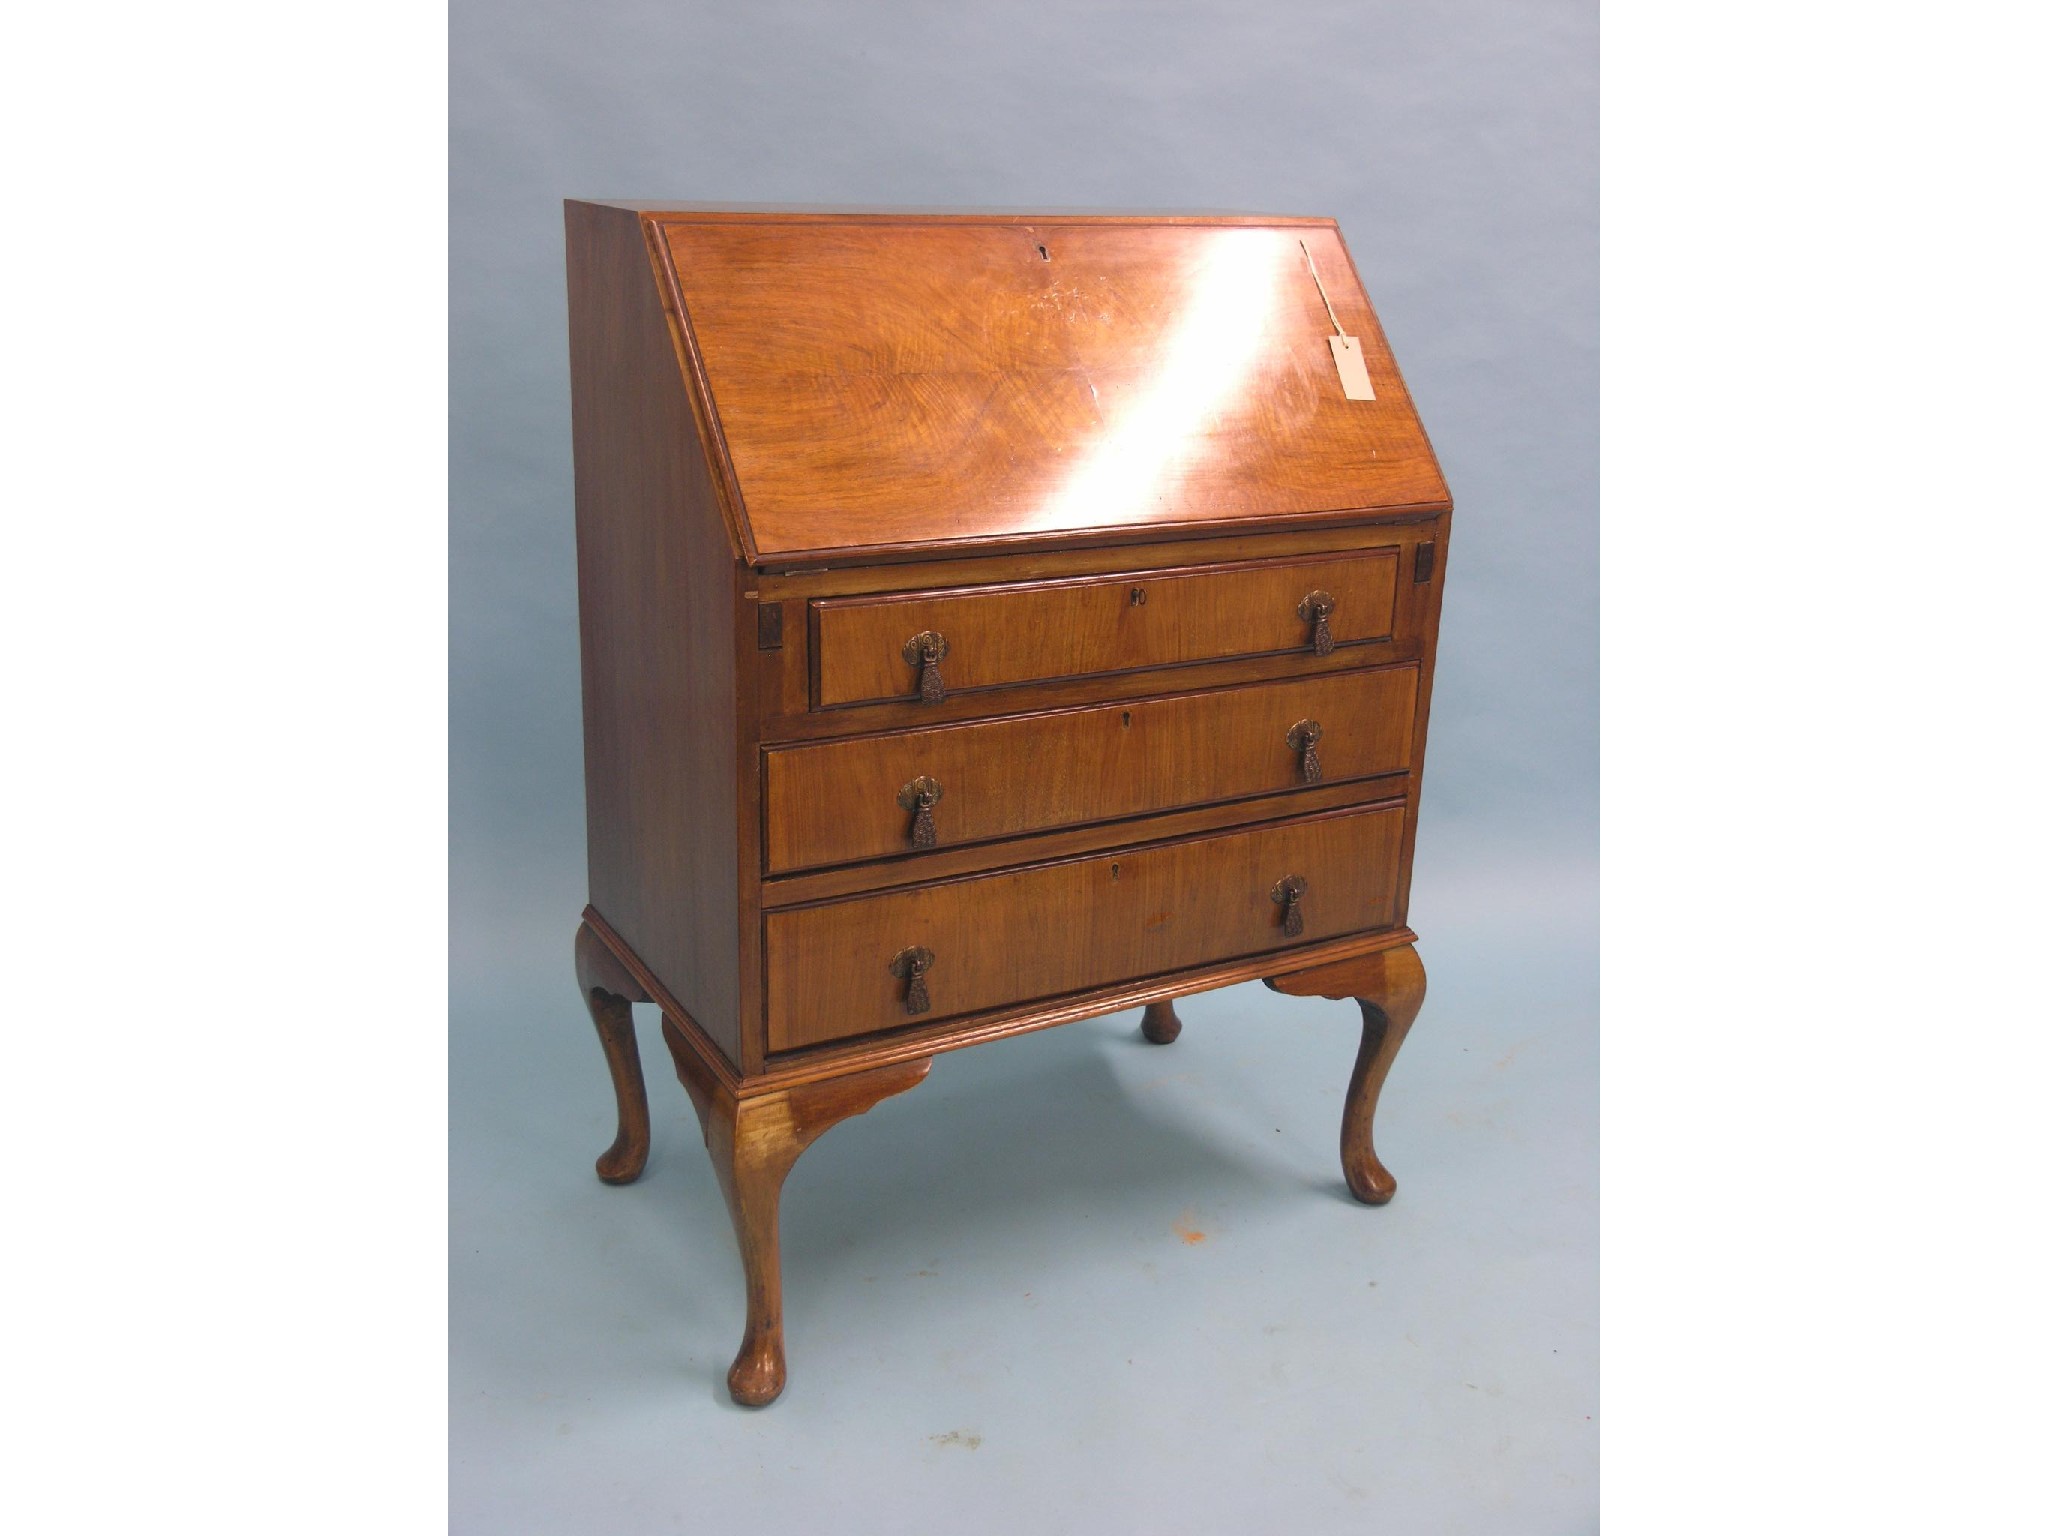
(660, 211)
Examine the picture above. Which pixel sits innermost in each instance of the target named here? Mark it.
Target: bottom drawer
(1023, 935)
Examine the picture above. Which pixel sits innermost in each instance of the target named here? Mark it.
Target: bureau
(988, 622)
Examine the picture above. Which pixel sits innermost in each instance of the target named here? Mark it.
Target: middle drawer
(840, 802)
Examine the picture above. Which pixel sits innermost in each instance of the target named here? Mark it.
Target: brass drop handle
(910, 965)
(1316, 609)
(924, 651)
(1302, 737)
(1287, 894)
(918, 797)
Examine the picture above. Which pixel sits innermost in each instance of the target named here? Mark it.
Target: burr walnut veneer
(988, 621)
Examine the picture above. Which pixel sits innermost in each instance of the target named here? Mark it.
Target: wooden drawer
(1027, 631)
(1022, 935)
(840, 802)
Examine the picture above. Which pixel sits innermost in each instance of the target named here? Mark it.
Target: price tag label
(1350, 357)
(1351, 367)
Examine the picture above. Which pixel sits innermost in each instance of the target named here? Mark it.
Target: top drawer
(993, 637)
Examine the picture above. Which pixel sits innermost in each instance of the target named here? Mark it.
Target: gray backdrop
(1456, 144)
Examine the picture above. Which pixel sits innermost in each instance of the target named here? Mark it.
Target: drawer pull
(918, 797)
(924, 651)
(1302, 737)
(910, 965)
(1316, 609)
(1288, 894)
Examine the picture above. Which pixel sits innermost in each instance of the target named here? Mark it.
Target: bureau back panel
(894, 382)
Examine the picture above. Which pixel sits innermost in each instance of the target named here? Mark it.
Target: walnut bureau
(988, 621)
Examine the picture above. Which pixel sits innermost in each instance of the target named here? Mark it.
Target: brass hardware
(924, 651)
(1302, 737)
(1287, 894)
(1316, 608)
(910, 965)
(919, 796)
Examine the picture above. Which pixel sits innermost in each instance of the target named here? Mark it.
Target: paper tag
(1351, 367)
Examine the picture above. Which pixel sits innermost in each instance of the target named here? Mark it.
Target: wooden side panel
(1001, 636)
(838, 802)
(1423, 591)
(657, 581)
(1042, 932)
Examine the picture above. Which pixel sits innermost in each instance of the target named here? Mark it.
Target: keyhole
(1043, 255)
(1115, 870)
(1137, 597)
(1127, 719)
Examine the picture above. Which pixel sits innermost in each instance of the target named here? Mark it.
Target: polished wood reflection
(897, 383)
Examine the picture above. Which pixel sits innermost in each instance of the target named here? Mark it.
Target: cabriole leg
(1161, 1025)
(1389, 988)
(754, 1142)
(610, 991)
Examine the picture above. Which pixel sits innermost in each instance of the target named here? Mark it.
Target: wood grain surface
(837, 802)
(896, 383)
(1140, 621)
(1036, 933)
(657, 594)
